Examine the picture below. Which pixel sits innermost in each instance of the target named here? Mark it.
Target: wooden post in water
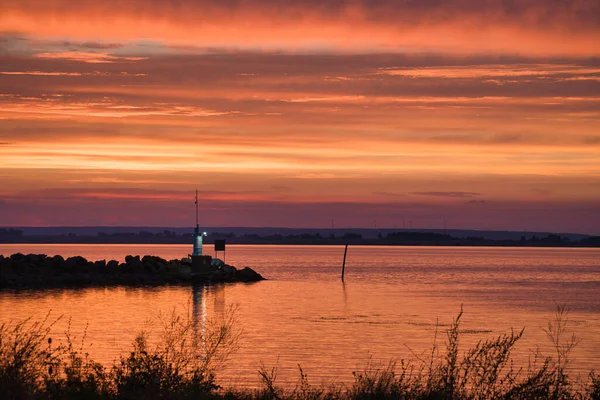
(344, 263)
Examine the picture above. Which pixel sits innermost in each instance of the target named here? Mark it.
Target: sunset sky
(293, 113)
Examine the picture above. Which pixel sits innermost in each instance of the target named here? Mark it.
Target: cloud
(82, 45)
(476, 202)
(40, 73)
(87, 57)
(281, 188)
(562, 71)
(533, 26)
(105, 108)
(542, 192)
(389, 194)
(581, 217)
(448, 194)
(134, 194)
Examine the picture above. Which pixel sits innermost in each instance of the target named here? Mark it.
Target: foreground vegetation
(182, 363)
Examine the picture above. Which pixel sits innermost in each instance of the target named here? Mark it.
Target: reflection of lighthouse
(200, 303)
(218, 292)
(199, 308)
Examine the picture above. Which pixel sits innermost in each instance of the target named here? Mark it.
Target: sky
(293, 113)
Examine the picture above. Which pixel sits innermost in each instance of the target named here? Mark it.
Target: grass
(182, 364)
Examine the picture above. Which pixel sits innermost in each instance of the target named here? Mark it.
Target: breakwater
(40, 271)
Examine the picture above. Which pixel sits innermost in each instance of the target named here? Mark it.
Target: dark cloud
(281, 188)
(542, 192)
(389, 194)
(409, 11)
(580, 217)
(476, 202)
(448, 194)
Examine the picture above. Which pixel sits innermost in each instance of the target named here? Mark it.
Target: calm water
(303, 314)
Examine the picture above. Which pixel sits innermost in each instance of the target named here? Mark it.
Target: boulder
(228, 269)
(57, 261)
(134, 264)
(75, 262)
(248, 275)
(154, 260)
(35, 259)
(112, 265)
(132, 260)
(217, 263)
(17, 257)
(183, 261)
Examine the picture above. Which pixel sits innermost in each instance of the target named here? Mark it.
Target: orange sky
(293, 113)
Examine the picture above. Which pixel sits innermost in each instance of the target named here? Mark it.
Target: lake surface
(388, 307)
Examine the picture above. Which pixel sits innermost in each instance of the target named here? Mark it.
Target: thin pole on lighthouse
(197, 226)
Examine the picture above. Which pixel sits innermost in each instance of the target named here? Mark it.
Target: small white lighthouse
(201, 265)
(197, 234)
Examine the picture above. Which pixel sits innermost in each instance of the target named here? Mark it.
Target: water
(388, 308)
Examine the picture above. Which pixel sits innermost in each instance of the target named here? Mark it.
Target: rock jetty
(41, 271)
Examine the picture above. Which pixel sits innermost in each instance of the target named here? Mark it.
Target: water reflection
(201, 296)
(218, 292)
(389, 303)
(345, 297)
(199, 308)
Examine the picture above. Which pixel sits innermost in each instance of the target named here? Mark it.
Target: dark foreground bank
(185, 362)
(41, 271)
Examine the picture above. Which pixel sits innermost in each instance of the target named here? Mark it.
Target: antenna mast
(197, 226)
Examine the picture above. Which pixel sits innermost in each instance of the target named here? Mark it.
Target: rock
(39, 270)
(57, 261)
(248, 275)
(132, 260)
(133, 264)
(154, 260)
(228, 269)
(112, 265)
(17, 257)
(35, 258)
(184, 270)
(72, 263)
(217, 263)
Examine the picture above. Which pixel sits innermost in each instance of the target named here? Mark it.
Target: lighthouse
(197, 234)
(200, 264)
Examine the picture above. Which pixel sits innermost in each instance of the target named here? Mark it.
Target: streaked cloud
(448, 194)
(87, 57)
(40, 73)
(495, 71)
(565, 27)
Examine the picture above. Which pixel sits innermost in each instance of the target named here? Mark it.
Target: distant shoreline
(324, 243)
(309, 237)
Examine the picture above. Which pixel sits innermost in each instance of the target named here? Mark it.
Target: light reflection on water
(388, 307)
